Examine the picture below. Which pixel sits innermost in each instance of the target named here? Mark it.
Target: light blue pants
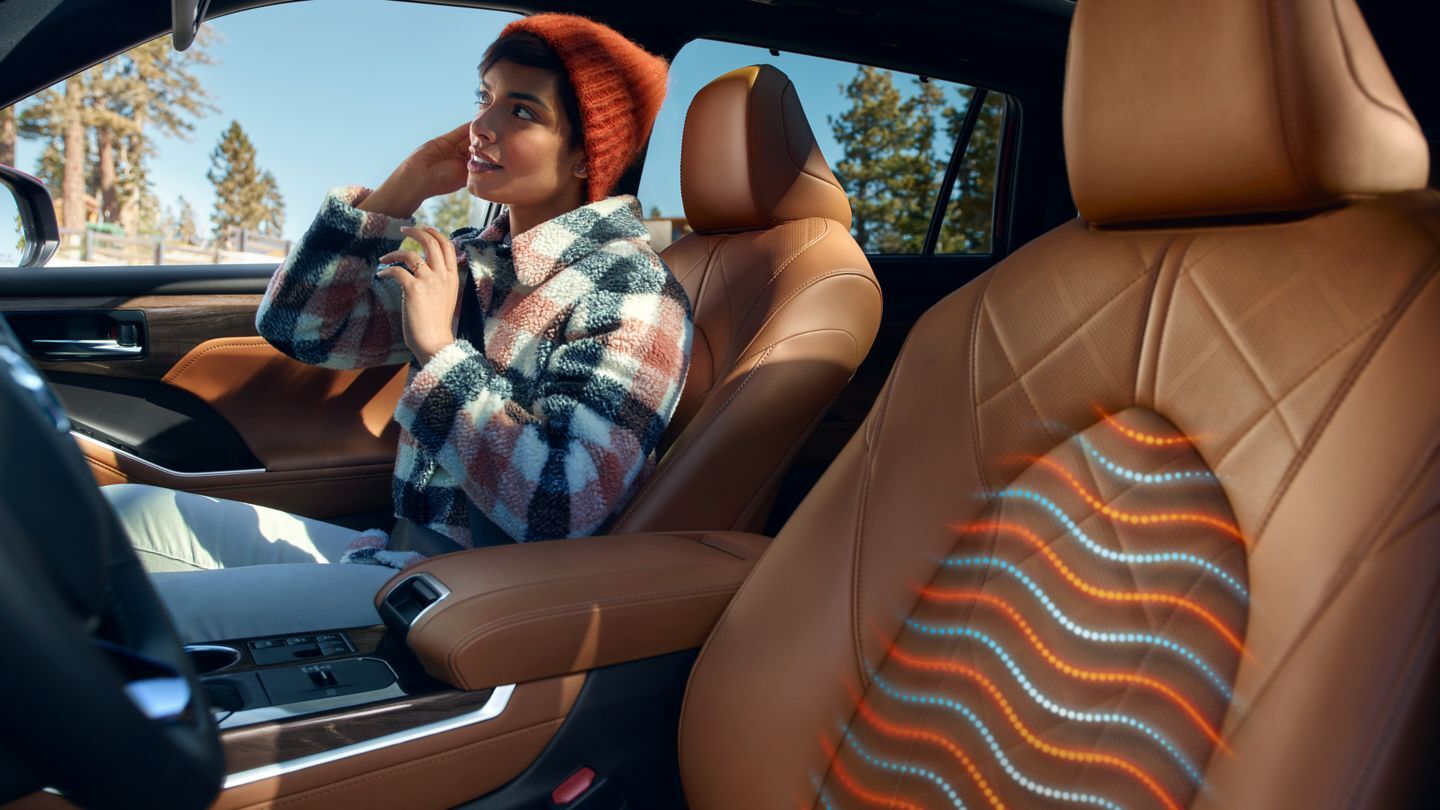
(229, 570)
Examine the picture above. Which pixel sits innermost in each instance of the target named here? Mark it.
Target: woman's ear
(582, 166)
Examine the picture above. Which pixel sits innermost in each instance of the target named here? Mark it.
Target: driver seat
(1149, 514)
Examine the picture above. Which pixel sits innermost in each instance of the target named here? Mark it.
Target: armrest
(511, 614)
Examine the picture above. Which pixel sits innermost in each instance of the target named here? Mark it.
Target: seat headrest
(749, 160)
(1190, 109)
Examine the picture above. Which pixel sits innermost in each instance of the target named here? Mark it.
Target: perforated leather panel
(1078, 643)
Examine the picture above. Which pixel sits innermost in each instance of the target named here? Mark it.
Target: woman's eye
(482, 98)
(529, 116)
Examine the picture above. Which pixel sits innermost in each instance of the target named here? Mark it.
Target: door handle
(96, 349)
(75, 335)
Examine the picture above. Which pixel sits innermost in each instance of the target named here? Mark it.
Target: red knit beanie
(619, 85)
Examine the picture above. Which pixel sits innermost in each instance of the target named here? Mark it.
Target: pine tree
(8, 134)
(915, 181)
(274, 222)
(60, 117)
(114, 102)
(451, 212)
(889, 167)
(240, 193)
(155, 88)
(50, 168)
(185, 228)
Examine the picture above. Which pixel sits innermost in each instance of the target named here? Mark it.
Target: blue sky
(327, 102)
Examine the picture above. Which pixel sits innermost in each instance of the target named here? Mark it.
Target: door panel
(209, 406)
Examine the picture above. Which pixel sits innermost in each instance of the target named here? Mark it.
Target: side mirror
(29, 234)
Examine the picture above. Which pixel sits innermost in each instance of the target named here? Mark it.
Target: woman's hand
(429, 287)
(438, 166)
(435, 169)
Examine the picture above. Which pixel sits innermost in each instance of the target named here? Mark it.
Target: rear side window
(222, 154)
(889, 137)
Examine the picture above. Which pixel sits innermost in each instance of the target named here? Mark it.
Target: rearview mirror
(29, 233)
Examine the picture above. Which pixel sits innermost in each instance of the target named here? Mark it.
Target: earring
(580, 170)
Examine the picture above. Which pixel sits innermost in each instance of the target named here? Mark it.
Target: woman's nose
(480, 129)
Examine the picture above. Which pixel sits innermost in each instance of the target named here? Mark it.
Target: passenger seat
(785, 305)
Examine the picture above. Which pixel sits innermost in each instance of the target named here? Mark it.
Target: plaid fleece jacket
(552, 423)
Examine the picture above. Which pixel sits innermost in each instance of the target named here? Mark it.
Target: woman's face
(520, 141)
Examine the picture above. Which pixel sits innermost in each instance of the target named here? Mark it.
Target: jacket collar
(555, 244)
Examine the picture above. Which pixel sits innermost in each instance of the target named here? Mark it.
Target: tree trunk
(130, 206)
(7, 135)
(109, 195)
(73, 186)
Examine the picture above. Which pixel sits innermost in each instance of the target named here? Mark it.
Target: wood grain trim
(268, 743)
(175, 324)
(321, 492)
(425, 772)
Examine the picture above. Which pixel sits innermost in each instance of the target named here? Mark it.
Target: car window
(888, 136)
(223, 153)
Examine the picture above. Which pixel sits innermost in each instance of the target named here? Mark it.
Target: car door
(167, 383)
(149, 337)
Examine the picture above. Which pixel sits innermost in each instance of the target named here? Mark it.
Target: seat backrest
(785, 305)
(1148, 515)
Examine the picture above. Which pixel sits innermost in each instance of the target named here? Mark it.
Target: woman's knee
(132, 499)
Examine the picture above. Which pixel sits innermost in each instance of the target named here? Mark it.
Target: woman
(540, 419)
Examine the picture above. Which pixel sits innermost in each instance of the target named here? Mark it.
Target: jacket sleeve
(562, 466)
(324, 305)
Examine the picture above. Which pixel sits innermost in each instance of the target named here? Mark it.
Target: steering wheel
(100, 702)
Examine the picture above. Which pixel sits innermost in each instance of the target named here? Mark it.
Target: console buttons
(266, 644)
(294, 640)
(324, 637)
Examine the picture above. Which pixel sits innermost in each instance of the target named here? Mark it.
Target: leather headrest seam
(1183, 110)
(749, 160)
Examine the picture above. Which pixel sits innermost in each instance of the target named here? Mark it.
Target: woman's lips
(478, 166)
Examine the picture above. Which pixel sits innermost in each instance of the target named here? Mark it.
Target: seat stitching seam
(1346, 385)
(975, 404)
(510, 620)
(1406, 687)
(1069, 336)
(1332, 594)
(223, 345)
(775, 313)
(1157, 270)
(1224, 331)
(1287, 125)
(1346, 574)
(678, 451)
(1311, 372)
(1010, 364)
(1355, 76)
(858, 541)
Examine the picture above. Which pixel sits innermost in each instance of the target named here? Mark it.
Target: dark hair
(525, 48)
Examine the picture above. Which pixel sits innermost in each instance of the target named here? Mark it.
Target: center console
(482, 656)
(255, 680)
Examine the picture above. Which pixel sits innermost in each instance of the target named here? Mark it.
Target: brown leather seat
(785, 305)
(1147, 515)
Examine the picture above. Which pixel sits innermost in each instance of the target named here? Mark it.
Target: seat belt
(411, 536)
